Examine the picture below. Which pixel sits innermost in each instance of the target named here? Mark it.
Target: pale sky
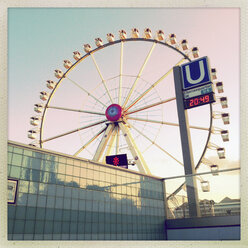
(39, 39)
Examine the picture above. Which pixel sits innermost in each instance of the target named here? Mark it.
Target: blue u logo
(202, 74)
(195, 73)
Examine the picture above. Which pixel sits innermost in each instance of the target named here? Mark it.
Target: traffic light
(118, 160)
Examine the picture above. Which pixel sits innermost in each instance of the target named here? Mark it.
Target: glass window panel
(51, 189)
(59, 202)
(107, 177)
(30, 213)
(61, 168)
(96, 175)
(60, 179)
(17, 159)
(23, 186)
(69, 170)
(22, 199)
(36, 163)
(67, 192)
(83, 182)
(90, 174)
(76, 181)
(74, 204)
(28, 153)
(75, 193)
(50, 201)
(68, 179)
(52, 178)
(102, 176)
(32, 200)
(76, 171)
(39, 227)
(19, 227)
(42, 188)
(26, 162)
(62, 159)
(33, 187)
(44, 177)
(9, 157)
(10, 148)
(18, 150)
(89, 182)
(60, 190)
(35, 175)
(15, 171)
(83, 172)
(67, 203)
(69, 161)
(41, 201)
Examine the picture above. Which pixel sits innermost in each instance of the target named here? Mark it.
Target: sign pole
(192, 194)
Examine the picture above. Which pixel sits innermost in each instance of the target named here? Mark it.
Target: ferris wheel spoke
(73, 131)
(76, 110)
(87, 92)
(100, 74)
(138, 76)
(121, 69)
(166, 123)
(117, 139)
(90, 141)
(137, 155)
(158, 146)
(111, 141)
(151, 105)
(103, 143)
(154, 85)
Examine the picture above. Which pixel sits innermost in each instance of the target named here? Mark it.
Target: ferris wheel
(119, 97)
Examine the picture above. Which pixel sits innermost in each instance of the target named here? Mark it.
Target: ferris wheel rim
(185, 56)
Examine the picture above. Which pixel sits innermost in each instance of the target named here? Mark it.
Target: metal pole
(188, 161)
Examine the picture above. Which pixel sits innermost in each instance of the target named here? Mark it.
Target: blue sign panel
(195, 73)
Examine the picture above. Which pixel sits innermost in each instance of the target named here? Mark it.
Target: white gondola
(67, 64)
(135, 33)
(160, 35)
(44, 95)
(77, 55)
(221, 152)
(214, 169)
(213, 73)
(148, 33)
(184, 45)
(205, 186)
(223, 101)
(38, 107)
(58, 73)
(87, 48)
(172, 38)
(225, 135)
(195, 52)
(32, 134)
(50, 84)
(122, 34)
(98, 42)
(219, 86)
(35, 120)
(110, 37)
(225, 118)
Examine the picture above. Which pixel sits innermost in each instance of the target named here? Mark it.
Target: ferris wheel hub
(113, 112)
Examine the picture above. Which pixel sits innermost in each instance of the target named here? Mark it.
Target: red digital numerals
(199, 100)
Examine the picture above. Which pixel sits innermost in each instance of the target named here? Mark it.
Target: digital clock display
(199, 100)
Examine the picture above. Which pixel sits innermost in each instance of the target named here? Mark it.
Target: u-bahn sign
(196, 83)
(195, 73)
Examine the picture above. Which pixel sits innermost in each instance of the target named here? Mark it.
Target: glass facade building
(61, 197)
